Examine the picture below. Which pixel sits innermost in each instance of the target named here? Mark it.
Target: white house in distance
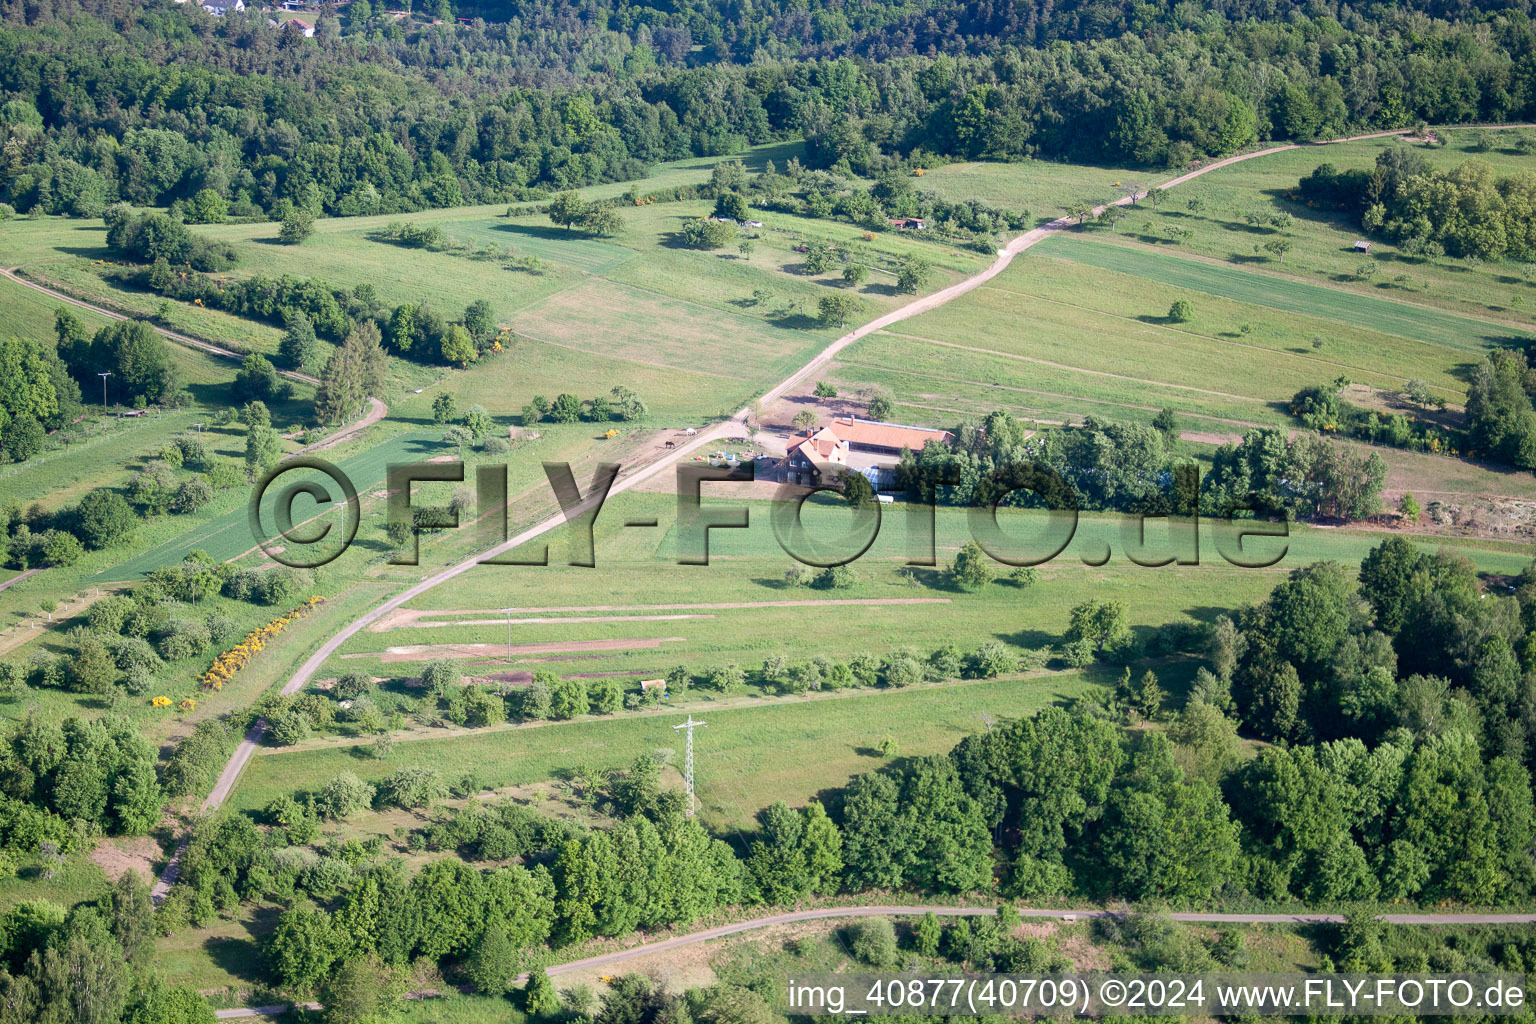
(851, 445)
(218, 8)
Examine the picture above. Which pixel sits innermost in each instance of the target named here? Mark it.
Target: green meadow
(1323, 240)
(638, 612)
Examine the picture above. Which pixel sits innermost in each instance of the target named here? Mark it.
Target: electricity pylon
(688, 759)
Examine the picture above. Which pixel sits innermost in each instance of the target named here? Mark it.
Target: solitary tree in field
(1182, 311)
(459, 436)
(1408, 509)
(1100, 623)
(854, 274)
(805, 420)
(1277, 247)
(1080, 211)
(566, 209)
(1156, 195)
(837, 310)
(912, 275)
(880, 406)
(442, 408)
(818, 258)
(971, 569)
(296, 227)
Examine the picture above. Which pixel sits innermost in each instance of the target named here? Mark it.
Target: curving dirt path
(826, 913)
(736, 425)
(377, 410)
(732, 427)
(736, 928)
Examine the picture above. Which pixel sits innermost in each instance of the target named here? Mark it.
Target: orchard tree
(972, 567)
(567, 209)
(912, 275)
(296, 227)
(1101, 623)
(837, 309)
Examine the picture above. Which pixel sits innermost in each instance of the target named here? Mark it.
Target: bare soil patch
(1209, 437)
(1378, 400)
(117, 857)
(426, 652)
(419, 617)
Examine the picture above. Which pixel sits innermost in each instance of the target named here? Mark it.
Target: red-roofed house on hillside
(851, 445)
(815, 460)
(885, 438)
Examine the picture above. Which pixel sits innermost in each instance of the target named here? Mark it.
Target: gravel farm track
(734, 426)
(825, 913)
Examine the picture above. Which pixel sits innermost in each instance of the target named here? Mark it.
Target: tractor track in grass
(735, 426)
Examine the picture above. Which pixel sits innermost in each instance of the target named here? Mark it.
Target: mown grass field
(1324, 240)
(1042, 187)
(748, 757)
(637, 575)
(1392, 316)
(680, 327)
(1056, 337)
(648, 613)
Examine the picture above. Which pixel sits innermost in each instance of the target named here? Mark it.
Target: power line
(688, 758)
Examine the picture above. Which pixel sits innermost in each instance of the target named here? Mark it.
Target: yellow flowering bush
(161, 702)
(237, 657)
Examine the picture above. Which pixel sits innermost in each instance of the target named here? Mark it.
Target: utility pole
(104, 377)
(688, 758)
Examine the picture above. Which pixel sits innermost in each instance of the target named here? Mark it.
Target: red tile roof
(886, 435)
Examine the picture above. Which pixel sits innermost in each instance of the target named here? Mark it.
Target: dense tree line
(37, 394)
(1469, 211)
(397, 119)
(132, 351)
(95, 775)
(90, 964)
(1397, 698)
(1501, 420)
(1128, 467)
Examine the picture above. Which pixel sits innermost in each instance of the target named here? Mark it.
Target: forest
(162, 105)
(1105, 465)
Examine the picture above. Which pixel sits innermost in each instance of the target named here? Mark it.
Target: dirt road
(832, 913)
(733, 427)
(376, 409)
